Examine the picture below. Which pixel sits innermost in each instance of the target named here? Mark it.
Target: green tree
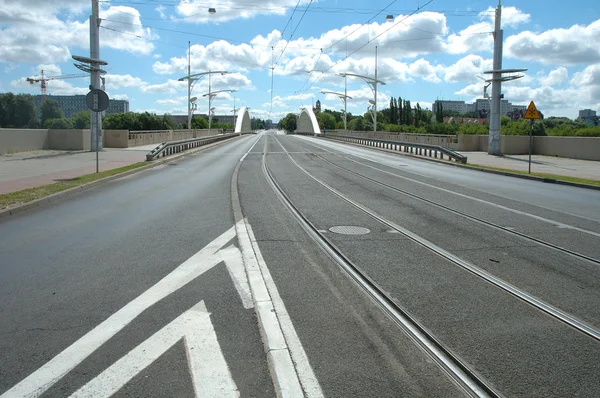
(7, 110)
(25, 113)
(356, 124)
(439, 113)
(289, 122)
(51, 110)
(58, 123)
(81, 120)
(326, 120)
(199, 123)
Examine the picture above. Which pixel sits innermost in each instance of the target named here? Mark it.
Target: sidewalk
(32, 169)
(539, 164)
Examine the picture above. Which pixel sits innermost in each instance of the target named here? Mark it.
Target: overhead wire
(364, 45)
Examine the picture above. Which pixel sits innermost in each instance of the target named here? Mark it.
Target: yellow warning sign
(531, 112)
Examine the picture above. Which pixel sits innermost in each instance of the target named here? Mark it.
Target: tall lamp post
(344, 99)
(372, 82)
(211, 95)
(192, 79)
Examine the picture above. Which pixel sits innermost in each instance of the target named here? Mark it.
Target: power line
(364, 45)
(288, 22)
(292, 35)
(200, 35)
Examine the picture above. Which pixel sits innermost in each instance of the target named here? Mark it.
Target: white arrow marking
(210, 374)
(39, 381)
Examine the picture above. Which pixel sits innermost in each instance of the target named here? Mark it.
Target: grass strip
(27, 195)
(541, 175)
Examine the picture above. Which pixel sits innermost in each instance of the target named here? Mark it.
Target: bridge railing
(173, 147)
(429, 150)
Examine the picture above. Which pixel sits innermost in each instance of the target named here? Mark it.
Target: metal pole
(209, 103)
(95, 121)
(530, 142)
(97, 144)
(494, 147)
(345, 100)
(375, 105)
(189, 86)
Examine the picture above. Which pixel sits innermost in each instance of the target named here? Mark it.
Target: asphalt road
(75, 277)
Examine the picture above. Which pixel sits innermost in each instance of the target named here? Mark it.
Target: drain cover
(349, 230)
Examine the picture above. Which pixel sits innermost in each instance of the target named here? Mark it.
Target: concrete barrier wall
(69, 140)
(138, 138)
(116, 138)
(22, 140)
(587, 148)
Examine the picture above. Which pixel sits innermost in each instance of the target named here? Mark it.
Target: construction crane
(44, 80)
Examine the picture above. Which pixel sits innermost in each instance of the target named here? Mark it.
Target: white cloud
(423, 69)
(41, 31)
(474, 38)
(466, 69)
(589, 76)
(575, 45)
(169, 87)
(557, 76)
(118, 96)
(511, 16)
(120, 81)
(168, 102)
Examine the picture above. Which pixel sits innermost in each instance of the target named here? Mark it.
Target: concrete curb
(5, 213)
(504, 173)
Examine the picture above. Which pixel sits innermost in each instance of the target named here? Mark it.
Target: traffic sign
(97, 100)
(531, 113)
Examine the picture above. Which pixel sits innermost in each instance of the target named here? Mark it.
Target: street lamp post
(372, 82)
(344, 99)
(192, 79)
(211, 95)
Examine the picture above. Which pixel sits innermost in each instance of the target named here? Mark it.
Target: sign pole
(530, 142)
(531, 114)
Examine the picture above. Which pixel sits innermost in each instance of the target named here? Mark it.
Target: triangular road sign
(531, 112)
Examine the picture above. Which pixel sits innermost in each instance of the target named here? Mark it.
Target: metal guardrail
(300, 133)
(173, 147)
(408, 147)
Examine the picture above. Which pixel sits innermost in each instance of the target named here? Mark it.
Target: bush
(472, 128)
(60, 123)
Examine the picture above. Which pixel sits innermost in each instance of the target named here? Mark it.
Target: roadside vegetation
(19, 111)
(402, 117)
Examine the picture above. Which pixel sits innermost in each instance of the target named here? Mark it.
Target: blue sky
(431, 49)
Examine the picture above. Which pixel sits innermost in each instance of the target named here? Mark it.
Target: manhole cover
(349, 230)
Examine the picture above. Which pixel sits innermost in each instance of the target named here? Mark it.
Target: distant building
(481, 106)
(317, 108)
(588, 116)
(72, 104)
(269, 124)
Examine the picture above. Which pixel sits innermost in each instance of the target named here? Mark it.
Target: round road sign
(97, 100)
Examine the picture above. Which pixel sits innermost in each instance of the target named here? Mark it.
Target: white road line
(235, 266)
(285, 377)
(43, 378)
(255, 142)
(210, 375)
(306, 374)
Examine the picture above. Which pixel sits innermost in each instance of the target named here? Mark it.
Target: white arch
(243, 123)
(307, 122)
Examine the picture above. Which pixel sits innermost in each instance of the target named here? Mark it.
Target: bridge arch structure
(243, 123)
(307, 122)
